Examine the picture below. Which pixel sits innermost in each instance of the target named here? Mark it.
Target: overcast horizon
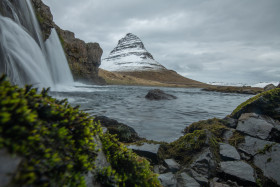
(219, 40)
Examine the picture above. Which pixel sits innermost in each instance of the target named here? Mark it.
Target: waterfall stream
(24, 56)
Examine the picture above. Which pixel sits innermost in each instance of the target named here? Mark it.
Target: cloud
(228, 40)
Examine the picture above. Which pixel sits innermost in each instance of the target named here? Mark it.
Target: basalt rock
(158, 94)
(269, 87)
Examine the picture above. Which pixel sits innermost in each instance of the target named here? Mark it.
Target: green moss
(267, 148)
(215, 126)
(272, 96)
(128, 169)
(236, 138)
(57, 144)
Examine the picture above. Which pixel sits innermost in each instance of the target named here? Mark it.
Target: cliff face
(83, 58)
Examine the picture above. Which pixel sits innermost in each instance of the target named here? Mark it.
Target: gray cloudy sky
(206, 40)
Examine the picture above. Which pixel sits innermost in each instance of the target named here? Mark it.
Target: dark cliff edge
(83, 58)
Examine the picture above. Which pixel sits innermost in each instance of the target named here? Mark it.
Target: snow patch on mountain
(130, 55)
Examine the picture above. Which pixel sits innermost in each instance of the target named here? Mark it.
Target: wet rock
(172, 165)
(160, 169)
(158, 94)
(227, 135)
(254, 125)
(184, 180)
(228, 152)
(239, 171)
(205, 164)
(146, 150)
(252, 146)
(269, 87)
(124, 132)
(268, 161)
(9, 165)
(168, 180)
(202, 180)
(231, 122)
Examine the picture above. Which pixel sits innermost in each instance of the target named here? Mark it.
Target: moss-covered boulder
(58, 144)
(266, 103)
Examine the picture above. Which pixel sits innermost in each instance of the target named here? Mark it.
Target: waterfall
(24, 56)
(58, 63)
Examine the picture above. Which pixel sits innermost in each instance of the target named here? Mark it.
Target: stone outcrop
(83, 58)
(158, 94)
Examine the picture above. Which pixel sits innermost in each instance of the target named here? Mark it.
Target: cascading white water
(24, 57)
(21, 58)
(58, 62)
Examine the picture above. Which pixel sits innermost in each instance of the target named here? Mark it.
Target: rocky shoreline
(239, 150)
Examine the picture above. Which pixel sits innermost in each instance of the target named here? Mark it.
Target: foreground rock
(147, 150)
(158, 94)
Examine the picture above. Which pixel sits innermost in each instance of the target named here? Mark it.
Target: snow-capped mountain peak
(130, 55)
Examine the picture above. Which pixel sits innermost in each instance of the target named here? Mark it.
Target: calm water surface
(157, 120)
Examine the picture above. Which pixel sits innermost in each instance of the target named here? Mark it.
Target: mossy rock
(266, 103)
(57, 143)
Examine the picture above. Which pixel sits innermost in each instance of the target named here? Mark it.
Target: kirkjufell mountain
(130, 55)
(131, 58)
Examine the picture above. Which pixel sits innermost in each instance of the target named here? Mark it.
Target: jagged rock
(172, 165)
(146, 150)
(252, 146)
(124, 132)
(238, 170)
(130, 55)
(228, 152)
(232, 123)
(268, 161)
(227, 135)
(8, 167)
(44, 17)
(168, 180)
(184, 180)
(160, 169)
(202, 180)
(269, 87)
(158, 94)
(255, 125)
(218, 184)
(205, 164)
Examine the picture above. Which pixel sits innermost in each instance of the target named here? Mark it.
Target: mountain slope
(130, 55)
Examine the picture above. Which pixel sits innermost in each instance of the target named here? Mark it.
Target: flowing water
(24, 56)
(157, 120)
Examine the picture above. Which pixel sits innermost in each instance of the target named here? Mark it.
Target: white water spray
(24, 57)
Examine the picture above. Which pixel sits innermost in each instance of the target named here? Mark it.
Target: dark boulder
(124, 132)
(158, 94)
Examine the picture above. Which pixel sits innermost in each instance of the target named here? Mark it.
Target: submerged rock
(158, 94)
